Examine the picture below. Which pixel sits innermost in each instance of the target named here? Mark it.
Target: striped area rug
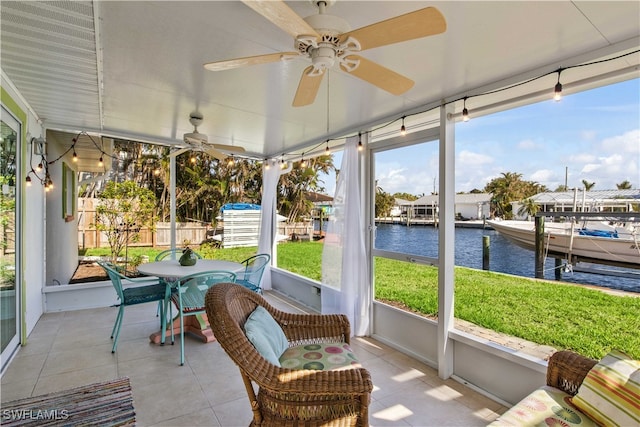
(107, 403)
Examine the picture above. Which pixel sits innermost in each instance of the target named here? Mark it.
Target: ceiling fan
(325, 39)
(200, 142)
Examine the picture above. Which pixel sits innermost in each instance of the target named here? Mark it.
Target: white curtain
(269, 218)
(345, 265)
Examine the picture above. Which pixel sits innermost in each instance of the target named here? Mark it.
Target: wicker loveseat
(581, 392)
(289, 397)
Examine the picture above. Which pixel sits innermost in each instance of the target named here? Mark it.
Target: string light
(192, 159)
(100, 161)
(303, 162)
(39, 167)
(403, 130)
(28, 180)
(231, 161)
(360, 146)
(156, 171)
(557, 90)
(266, 164)
(327, 151)
(465, 112)
(75, 156)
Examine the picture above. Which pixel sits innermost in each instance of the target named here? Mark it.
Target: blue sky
(592, 135)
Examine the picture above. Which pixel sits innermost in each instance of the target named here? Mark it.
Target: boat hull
(558, 240)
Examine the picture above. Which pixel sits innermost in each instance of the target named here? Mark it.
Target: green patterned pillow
(319, 357)
(610, 393)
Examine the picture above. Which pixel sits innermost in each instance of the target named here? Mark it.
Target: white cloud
(628, 142)
(590, 168)
(582, 158)
(543, 176)
(470, 159)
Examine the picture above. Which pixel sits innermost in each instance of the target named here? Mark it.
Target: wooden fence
(194, 233)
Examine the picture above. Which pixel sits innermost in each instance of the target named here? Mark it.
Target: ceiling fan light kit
(325, 39)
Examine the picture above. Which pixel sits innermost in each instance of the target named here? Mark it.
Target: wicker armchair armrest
(566, 371)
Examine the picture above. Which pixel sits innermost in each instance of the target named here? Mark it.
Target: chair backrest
(254, 268)
(191, 289)
(174, 253)
(115, 276)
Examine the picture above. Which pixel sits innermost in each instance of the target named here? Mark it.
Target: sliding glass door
(9, 291)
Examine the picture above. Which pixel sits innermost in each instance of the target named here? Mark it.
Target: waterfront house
(76, 75)
(580, 200)
(469, 206)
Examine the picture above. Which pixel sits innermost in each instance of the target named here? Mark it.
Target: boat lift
(541, 253)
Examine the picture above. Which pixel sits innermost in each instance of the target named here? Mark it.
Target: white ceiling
(134, 69)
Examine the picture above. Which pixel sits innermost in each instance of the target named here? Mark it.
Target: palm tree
(588, 185)
(529, 207)
(624, 185)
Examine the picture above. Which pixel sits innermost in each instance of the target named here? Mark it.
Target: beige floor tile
(74, 378)
(70, 349)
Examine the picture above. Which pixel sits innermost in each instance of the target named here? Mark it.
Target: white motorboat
(601, 243)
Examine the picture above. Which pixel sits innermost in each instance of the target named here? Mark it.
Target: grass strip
(565, 316)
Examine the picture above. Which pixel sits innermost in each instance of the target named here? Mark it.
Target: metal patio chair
(252, 275)
(145, 290)
(187, 294)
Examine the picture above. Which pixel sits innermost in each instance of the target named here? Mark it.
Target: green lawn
(557, 314)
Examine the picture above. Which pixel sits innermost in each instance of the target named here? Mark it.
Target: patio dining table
(170, 270)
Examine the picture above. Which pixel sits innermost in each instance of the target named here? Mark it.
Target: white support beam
(446, 241)
(172, 193)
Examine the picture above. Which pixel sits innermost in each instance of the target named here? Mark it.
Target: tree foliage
(405, 196)
(384, 203)
(624, 185)
(293, 186)
(588, 185)
(123, 209)
(507, 188)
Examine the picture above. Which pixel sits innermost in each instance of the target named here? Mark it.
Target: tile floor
(73, 348)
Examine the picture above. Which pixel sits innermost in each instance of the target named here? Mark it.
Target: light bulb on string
(403, 130)
(101, 161)
(360, 146)
(75, 157)
(327, 151)
(39, 167)
(192, 159)
(303, 162)
(156, 171)
(266, 164)
(557, 90)
(230, 162)
(28, 180)
(465, 112)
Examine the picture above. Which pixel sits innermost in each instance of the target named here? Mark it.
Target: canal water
(505, 257)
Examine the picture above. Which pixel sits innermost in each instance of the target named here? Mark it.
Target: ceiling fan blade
(250, 60)
(232, 148)
(307, 88)
(215, 153)
(379, 76)
(413, 25)
(282, 16)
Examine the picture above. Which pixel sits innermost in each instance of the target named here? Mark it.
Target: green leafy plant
(124, 208)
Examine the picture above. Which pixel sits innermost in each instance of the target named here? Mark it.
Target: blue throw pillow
(266, 335)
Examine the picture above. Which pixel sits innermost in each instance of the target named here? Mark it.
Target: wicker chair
(289, 397)
(566, 370)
